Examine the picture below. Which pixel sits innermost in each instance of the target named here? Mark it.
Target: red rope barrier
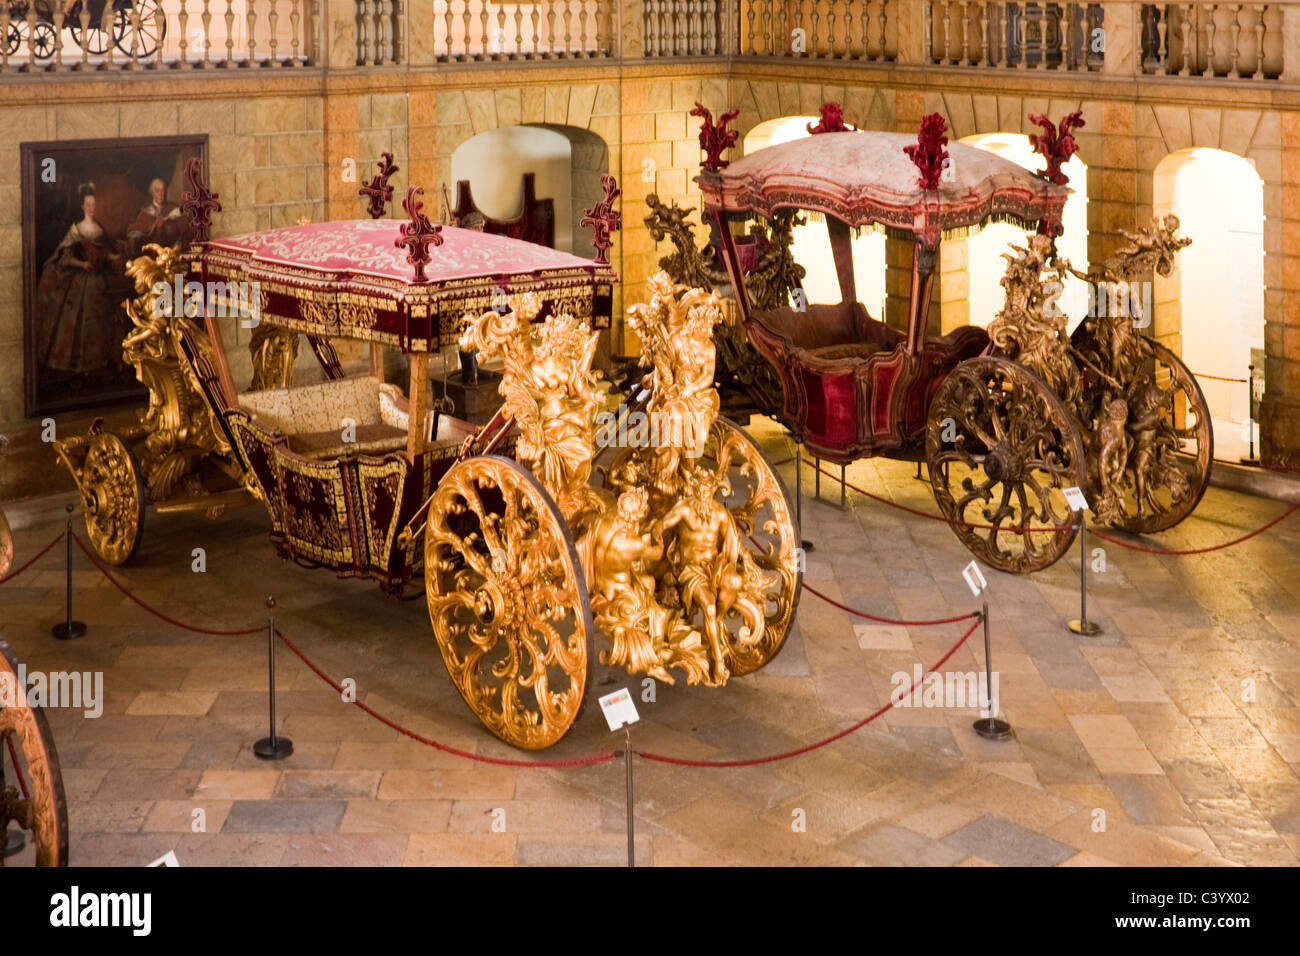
(571, 762)
(94, 559)
(34, 558)
(429, 742)
(1093, 531)
(786, 755)
(954, 522)
(888, 620)
(1185, 551)
(18, 771)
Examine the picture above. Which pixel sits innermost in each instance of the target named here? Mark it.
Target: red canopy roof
(865, 178)
(348, 278)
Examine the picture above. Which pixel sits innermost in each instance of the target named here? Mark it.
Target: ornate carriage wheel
(95, 40)
(113, 498)
(44, 40)
(152, 30)
(14, 37)
(43, 811)
(764, 514)
(1172, 499)
(1001, 449)
(508, 601)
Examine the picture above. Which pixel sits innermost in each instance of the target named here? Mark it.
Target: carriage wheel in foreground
(33, 791)
(507, 600)
(1001, 449)
(1179, 470)
(113, 498)
(765, 518)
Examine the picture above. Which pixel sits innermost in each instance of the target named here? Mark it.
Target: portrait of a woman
(77, 329)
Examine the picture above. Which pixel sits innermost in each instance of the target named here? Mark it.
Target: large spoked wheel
(1001, 449)
(150, 34)
(94, 39)
(1169, 462)
(507, 600)
(764, 514)
(14, 37)
(32, 794)
(113, 498)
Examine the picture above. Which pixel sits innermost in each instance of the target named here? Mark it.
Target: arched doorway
(812, 245)
(1210, 311)
(566, 162)
(980, 281)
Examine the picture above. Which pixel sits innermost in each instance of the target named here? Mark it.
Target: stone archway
(1210, 310)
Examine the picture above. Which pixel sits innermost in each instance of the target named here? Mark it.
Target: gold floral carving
(684, 570)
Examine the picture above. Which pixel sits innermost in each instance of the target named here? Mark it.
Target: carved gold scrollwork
(689, 550)
(507, 600)
(274, 352)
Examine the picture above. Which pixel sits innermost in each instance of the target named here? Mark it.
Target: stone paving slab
(1173, 738)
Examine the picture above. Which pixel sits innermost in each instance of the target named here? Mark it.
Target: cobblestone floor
(1172, 738)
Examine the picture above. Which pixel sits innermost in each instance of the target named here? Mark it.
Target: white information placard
(619, 709)
(1076, 499)
(974, 578)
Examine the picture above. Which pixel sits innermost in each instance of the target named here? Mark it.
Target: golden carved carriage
(563, 517)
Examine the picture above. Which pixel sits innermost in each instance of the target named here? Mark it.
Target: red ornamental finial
(418, 234)
(198, 203)
(714, 138)
(379, 193)
(928, 151)
(604, 219)
(832, 120)
(1056, 144)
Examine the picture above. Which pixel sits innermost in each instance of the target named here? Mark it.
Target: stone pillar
(627, 21)
(1279, 415)
(340, 34)
(953, 309)
(1122, 26)
(911, 25)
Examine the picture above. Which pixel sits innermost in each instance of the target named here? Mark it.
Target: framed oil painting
(89, 206)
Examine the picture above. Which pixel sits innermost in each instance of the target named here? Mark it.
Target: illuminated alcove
(811, 243)
(981, 284)
(567, 163)
(1210, 311)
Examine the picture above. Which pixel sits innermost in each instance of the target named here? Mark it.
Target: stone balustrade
(1252, 42)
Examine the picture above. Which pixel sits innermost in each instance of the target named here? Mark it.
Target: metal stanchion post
(843, 489)
(798, 497)
(992, 726)
(68, 629)
(272, 747)
(1251, 458)
(1083, 625)
(631, 802)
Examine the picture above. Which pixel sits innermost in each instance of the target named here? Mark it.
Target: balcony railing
(1199, 39)
(820, 29)
(104, 35)
(673, 28)
(467, 31)
(1042, 36)
(1235, 40)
